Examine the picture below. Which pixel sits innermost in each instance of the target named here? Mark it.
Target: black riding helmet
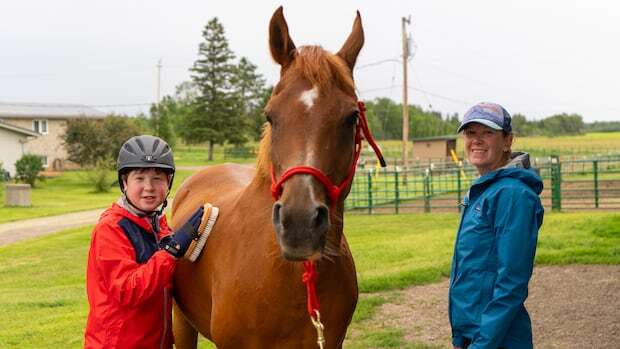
(144, 152)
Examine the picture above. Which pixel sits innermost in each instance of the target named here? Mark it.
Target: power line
(436, 95)
(119, 105)
(388, 60)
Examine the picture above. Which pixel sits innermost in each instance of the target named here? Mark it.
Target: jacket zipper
(458, 233)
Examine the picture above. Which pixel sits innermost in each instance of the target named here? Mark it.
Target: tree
(257, 115)
(250, 92)
(95, 144)
(161, 119)
(91, 142)
(214, 112)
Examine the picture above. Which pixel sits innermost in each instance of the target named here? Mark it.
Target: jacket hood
(519, 168)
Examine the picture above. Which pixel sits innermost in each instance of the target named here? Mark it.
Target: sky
(535, 57)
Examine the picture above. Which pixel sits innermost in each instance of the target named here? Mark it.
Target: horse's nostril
(276, 213)
(321, 219)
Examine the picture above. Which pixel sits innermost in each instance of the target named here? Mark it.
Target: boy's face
(146, 188)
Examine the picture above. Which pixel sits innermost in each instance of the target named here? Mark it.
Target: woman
(496, 241)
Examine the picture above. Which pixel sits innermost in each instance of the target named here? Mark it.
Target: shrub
(102, 177)
(27, 168)
(4, 174)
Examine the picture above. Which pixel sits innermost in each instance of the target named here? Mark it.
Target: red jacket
(129, 284)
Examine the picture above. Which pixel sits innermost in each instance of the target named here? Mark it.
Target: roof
(48, 110)
(436, 138)
(17, 129)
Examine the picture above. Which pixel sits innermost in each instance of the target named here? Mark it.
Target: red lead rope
(309, 278)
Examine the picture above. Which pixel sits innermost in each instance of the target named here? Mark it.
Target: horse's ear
(280, 43)
(354, 43)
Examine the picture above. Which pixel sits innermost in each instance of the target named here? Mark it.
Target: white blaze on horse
(245, 290)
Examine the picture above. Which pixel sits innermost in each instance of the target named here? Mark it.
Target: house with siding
(48, 121)
(13, 141)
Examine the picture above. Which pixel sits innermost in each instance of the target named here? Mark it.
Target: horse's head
(313, 115)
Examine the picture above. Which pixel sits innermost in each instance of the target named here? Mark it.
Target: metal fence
(569, 184)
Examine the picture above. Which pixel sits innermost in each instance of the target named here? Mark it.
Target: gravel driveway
(27, 229)
(575, 306)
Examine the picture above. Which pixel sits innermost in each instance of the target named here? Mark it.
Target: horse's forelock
(321, 68)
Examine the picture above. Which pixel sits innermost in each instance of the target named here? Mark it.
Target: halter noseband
(333, 191)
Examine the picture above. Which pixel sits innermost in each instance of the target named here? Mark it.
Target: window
(40, 126)
(44, 161)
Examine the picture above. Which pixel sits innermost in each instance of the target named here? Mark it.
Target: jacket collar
(144, 222)
(518, 167)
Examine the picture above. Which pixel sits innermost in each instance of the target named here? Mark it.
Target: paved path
(27, 229)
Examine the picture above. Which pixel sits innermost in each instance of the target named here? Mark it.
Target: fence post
(396, 193)
(556, 183)
(458, 189)
(595, 168)
(427, 191)
(369, 176)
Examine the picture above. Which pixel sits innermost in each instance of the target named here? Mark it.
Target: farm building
(48, 121)
(433, 148)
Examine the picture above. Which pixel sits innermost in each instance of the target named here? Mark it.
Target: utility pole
(405, 21)
(158, 81)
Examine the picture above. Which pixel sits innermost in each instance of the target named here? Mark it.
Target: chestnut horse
(245, 290)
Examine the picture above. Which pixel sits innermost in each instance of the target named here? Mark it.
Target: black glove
(177, 243)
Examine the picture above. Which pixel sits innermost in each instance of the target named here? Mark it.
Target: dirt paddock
(570, 306)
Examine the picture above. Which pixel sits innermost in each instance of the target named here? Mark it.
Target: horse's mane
(323, 70)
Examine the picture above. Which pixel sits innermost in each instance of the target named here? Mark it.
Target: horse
(244, 291)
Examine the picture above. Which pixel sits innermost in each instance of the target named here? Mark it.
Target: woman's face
(485, 147)
(146, 189)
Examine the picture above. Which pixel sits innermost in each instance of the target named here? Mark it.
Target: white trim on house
(40, 126)
(17, 129)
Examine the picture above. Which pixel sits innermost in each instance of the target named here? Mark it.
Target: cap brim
(485, 122)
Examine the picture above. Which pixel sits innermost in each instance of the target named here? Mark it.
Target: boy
(132, 254)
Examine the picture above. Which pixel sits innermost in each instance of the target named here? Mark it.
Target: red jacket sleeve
(127, 281)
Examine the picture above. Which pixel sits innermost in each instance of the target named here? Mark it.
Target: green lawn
(70, 192)
(196, 155)
(43, 303)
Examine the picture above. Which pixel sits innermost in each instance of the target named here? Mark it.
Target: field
(43, 301)
(589, 144)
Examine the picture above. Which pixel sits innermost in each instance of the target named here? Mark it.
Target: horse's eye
(352, 119)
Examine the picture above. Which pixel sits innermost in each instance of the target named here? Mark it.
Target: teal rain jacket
(494, 257)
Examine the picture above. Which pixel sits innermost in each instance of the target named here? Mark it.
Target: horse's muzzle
(301, 230)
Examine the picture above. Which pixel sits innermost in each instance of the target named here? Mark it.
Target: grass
(42, 281)
(196, 155)
(70, 192)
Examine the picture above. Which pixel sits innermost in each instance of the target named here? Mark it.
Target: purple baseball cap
(489, 114)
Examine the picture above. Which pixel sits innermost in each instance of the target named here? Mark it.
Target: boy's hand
(177, 244)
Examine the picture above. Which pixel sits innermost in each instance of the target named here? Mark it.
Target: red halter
(362, 131)
(333, 191)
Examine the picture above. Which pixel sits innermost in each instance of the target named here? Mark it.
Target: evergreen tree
(252, 95)
(257, 115)
(215, 112)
